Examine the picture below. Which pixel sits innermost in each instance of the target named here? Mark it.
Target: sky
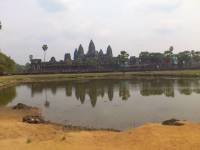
(131, 25)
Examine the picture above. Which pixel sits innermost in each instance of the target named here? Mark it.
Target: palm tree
(30, 57)
(44, 47)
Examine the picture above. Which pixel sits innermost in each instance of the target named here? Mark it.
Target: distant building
(91, 61)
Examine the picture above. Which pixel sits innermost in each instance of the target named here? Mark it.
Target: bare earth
(16, 135)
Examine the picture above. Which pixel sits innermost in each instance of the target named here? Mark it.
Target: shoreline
(50, 136)
(6, 81)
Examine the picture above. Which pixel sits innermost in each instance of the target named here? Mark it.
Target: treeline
(7, 65)
(168, 58)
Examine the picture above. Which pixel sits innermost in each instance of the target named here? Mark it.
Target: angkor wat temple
(93, 60)
(98, 61)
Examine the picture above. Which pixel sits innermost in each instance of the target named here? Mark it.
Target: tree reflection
(47, 103)
(169, 88)
(124, 90)
(184, 86)
(7, 95)
(196, 86)
(95, 89)
(157, 87)
(68, 87)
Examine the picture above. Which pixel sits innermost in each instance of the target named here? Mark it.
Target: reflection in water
(47, 103)
(124, 90)
(105, 88)
(110, 103)
(185, 86)
(7, 95)
(68, 89)
(157, 87)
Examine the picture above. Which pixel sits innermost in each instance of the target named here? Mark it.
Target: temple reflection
(96, 89)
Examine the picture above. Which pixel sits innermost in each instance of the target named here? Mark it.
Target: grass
(9, 80)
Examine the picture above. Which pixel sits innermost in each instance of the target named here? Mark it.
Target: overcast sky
(131, 25)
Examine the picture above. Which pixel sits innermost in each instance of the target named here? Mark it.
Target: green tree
(184, 58)
(144, 57)
(168, 56)
(123, 58)
(20, 68)
(156, 58)
(6, 64)
(195, 56)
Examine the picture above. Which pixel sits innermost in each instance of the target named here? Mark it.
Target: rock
(172, 122)
(33, 119)
(21, 106)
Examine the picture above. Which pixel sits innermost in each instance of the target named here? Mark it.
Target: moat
(105, 103)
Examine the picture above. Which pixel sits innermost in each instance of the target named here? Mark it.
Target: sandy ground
(16, 135)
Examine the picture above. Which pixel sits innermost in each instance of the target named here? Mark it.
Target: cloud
(51, 5)
(166, 6)
(129, 25)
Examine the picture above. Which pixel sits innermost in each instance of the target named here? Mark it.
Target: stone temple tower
(91, 49)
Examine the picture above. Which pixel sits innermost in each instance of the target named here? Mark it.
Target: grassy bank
(8, 80)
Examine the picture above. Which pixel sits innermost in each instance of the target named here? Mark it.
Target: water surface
(118, 104)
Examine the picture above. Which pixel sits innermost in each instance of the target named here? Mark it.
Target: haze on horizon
(131, 25)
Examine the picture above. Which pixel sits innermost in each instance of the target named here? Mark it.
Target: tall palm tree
(44, 47)
(30, 57)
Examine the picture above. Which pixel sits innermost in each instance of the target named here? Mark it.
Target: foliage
(20, 68)
(184, 58)
(6, 64)
(123, 57)
(156, 58)
(144, 57)
(30, 57)
(195, 56)
(168, 55)
(7, 95)
(151, 58)
(44, 47)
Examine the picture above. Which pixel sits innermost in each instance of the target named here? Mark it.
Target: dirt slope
(15, 135)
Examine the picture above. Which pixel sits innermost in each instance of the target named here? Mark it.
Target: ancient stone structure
(80, 53)
(75, 54)
(91, 61)
(109, 52)
(91, 50)
(99, 61)
(67, 57)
